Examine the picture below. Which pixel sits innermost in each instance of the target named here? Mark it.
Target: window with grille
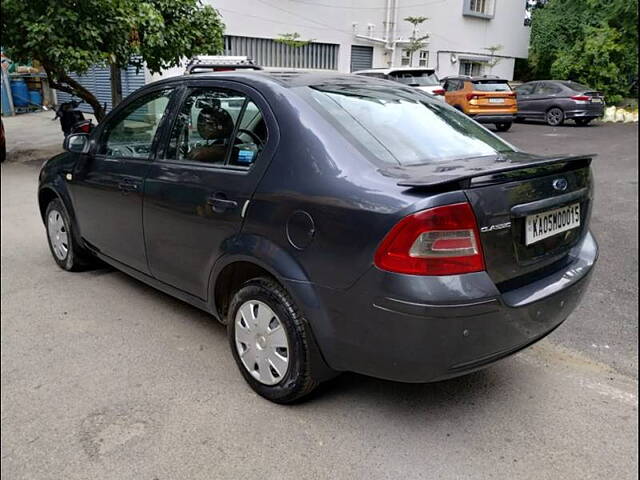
(267, 52)
(472, 69)
(479, 8)
(406, 58)
(423, 59)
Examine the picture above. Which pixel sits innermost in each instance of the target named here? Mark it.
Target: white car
(422, 78)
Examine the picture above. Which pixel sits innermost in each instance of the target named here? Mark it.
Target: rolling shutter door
(267, 52)
(361, 57)
(97, 81)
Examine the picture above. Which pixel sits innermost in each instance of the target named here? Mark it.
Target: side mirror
(76, 143)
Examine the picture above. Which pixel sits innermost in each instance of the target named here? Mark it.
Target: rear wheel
(555, 116)
(582, 121)
(269, 341)
(503, 127)
(64, 249)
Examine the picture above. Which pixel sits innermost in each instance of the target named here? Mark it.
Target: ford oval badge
(560, 184)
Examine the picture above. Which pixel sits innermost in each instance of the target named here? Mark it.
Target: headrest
(214, 123)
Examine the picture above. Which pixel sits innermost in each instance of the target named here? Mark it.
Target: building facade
(472, 37)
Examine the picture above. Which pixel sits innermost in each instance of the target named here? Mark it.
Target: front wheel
(269, 341)
(582, 121)
(64, 249)
(503, 127)
(555, 117)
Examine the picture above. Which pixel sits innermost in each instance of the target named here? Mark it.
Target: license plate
(596, 100)
(547, 224)
(496, 100)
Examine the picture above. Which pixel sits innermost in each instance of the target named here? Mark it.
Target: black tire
(76, 258)
(503, 127)
(554, 116)
(583, 122)
(298, 381)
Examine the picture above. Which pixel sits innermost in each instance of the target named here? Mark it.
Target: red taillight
(580, 98)
(439, 241)
(86, 128)
(439, 91)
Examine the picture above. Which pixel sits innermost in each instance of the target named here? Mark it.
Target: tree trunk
(116, 85)
(60, 80)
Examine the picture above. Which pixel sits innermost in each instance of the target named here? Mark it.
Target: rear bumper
(420, 329)
(493, 118)
(590, 112)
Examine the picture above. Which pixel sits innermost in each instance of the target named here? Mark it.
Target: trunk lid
(503, 191)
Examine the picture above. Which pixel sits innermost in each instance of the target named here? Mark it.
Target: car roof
(387, 71)
(476, 78)
(283, 78)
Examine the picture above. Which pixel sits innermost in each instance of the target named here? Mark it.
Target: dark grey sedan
(558, 100)
(332, 222)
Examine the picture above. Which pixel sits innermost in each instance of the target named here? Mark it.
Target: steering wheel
(256, 139)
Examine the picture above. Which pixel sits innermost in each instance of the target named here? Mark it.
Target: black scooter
(71, 119)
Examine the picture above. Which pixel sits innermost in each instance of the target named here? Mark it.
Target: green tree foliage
(71, 36)
(594, 42)
(293, 40)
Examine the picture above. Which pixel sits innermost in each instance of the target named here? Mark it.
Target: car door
(200, 186)
(107, 184)
(544, 97)
(524, 93)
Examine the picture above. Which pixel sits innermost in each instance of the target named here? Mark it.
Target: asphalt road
(106, 378)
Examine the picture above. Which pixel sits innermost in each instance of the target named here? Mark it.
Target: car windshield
(491, 86)
(416, 78)
(401, 127)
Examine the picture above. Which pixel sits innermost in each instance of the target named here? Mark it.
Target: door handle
(219, 203)
(129, 185)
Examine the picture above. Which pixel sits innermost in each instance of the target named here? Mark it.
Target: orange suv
(485, 99)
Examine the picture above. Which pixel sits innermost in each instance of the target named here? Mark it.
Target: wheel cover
(58, 234)
(554, 116)
(261, 342)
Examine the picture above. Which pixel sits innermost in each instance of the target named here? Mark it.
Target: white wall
(449, 30)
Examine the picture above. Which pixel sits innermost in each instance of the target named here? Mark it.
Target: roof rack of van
(219, 63)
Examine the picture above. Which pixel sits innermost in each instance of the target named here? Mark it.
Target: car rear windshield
(491, 86)
(399, 126)
(416, 78)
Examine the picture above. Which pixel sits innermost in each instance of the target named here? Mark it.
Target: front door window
(131, 134)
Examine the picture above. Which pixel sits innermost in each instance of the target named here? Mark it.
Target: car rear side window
(418, 78)
(400, 127)
(491, 86)
(219, 127)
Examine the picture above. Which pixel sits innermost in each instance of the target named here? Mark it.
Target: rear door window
(219, 127)
(401, 127)
(544, 88)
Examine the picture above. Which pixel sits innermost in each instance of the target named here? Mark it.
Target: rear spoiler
(441, 176)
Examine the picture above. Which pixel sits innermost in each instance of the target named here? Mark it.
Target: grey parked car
(558, 100)
(332, 222)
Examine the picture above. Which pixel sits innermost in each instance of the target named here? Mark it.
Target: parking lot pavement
(605, 326)
(104, 377)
